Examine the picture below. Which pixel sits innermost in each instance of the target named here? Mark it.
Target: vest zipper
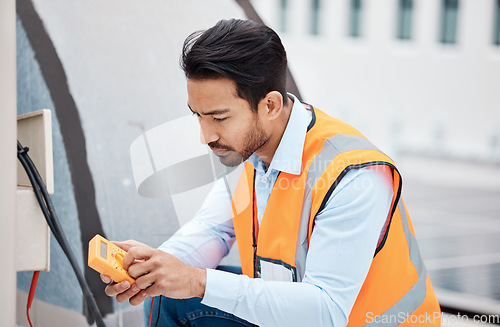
(254, 236)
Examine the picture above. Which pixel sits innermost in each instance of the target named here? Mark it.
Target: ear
(272, 105)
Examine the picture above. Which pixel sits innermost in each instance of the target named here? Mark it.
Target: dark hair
(246, 52)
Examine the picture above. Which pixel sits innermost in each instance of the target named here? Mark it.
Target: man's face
(227, 124)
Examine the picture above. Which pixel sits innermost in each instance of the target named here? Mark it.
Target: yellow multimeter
(107, 258)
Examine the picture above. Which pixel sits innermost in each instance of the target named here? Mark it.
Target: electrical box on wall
(34, 130)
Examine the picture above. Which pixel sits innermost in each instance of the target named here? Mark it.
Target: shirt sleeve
(341, 250)
(208, 237)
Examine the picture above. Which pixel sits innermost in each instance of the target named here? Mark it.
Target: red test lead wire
(151, 311)
(31, 294)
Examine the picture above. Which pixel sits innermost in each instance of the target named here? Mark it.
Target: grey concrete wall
(32, 95)
(121, 60)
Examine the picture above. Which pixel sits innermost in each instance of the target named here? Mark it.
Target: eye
(219, 119)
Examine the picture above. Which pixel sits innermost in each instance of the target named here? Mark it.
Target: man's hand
(156, 273)
(122, 290)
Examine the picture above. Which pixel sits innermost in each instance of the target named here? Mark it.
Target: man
(323, 234)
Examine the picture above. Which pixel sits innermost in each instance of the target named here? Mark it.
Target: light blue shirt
(341, 248)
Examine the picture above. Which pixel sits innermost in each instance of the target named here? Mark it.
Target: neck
(266, 152)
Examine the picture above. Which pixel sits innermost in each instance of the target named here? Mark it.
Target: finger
(116, 288)
(125, 245)
(136, 253)
(146, 282)
(125, 296)
(105, 279)
(139, 298)
(138, 269)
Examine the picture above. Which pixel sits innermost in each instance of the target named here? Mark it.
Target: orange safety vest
(397, 289)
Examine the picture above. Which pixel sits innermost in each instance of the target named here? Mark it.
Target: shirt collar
(288, 155)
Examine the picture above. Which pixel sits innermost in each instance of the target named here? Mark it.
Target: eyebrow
(213, 112)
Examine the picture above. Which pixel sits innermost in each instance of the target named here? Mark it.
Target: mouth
(219, 152)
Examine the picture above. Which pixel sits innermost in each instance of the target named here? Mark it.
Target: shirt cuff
(222, 290)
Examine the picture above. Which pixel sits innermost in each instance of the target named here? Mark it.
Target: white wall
(415, 96)
(8, 160)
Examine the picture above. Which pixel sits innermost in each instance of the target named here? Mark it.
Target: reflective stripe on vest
(416, 295)
(331, 149)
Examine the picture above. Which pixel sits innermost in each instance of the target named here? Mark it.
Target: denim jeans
(190, 312)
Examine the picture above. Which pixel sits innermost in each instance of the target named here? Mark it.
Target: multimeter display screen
(103, 250)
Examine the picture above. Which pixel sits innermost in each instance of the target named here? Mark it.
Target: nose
(207, 134)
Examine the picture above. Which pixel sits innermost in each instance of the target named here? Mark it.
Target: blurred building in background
(416, 76)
